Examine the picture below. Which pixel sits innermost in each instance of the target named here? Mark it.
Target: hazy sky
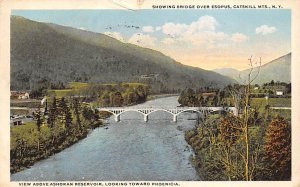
(207, 39)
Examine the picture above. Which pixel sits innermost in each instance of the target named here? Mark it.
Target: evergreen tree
(65, 113)
(277, 150)
(39, 121)
(88, 113)
(77, 111)
(68, 120)
(52, 113)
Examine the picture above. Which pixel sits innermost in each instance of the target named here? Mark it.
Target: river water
(129, 150)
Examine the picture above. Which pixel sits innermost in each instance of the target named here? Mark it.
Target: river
(129, 150)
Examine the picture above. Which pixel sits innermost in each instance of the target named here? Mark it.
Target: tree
(65, 113)
(88, 113)
(201, 100)
(77, 110)
(117, 99)
(132, 98)
(52, 113)
(215, 101)
(188, 98)
(39, 122)
(230, 147)
(277, 150)
(241, 99)
(105, 99)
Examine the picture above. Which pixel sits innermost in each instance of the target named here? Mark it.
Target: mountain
(226, 71)
(276, 70)
(46, 54)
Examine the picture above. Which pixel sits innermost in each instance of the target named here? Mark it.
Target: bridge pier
(174, 118)
(117, 118)
(203, 111)
(145, 118)
(235, 112)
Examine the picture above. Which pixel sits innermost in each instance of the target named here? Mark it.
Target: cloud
(148, 29)
(238, 37)
(115, 35)
(174, 29)
(82, 28)
(168, 41)
(265, 29)
(144, 40)
(204, 23)
(201, 33)
(158, 28)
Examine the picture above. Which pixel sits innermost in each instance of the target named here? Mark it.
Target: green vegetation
(68, 121)
(277, 150)
(203, 97)
(38, 65)
(122, 94)
(219, 146)
(61, 93)
(254, 145)
(78, 85)
(272, 102)
(93, 90)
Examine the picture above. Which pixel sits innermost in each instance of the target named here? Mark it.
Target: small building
(209, 94)
(16, 122)
(19, 95)
(149, 76)
(279, 92)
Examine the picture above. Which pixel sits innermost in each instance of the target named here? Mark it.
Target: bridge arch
(189, 110)
(161, 110)
(133, 110)
(106, 110)
(117, 111)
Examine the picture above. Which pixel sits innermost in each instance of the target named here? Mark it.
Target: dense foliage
(253, 145)
(68, 121)
(218, 145)
(122, 94)
(277, 150)
(38, 63)
(202, 97)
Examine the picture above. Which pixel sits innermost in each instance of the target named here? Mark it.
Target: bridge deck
(175, 111)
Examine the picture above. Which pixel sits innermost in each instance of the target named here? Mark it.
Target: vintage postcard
(149, 93)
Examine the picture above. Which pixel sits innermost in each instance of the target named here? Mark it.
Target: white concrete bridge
(175, 111)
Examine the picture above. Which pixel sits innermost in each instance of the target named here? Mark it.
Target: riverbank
(158, 96)
(47, 135)
(27, 154)
(127, 150)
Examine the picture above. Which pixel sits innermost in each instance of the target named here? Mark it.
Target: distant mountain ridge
(276, 70)
(45, 53)
(226, 71)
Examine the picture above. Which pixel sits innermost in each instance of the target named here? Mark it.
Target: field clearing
(61, 93)
(27, 132)
(76, 87)
(260, 104)
(273, 102)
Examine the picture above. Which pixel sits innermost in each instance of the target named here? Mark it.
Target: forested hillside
(278, 69)
(49, 55)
